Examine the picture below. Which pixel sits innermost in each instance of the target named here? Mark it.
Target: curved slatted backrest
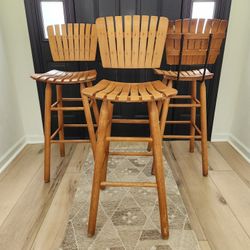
(131, 41)
(196, 35)
(72, 42)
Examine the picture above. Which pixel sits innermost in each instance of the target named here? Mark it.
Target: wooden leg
(95, 106)
(108, 133)
(96, 111)
(159, 107)
(99, 161)
(60, 119)
(204, 128)
(158, 163)
(47, 132)
(193, 118)
(89, 120)
(163, 118)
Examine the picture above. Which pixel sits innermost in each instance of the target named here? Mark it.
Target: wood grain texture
(131, 41)
(196, 34)
(72, 42)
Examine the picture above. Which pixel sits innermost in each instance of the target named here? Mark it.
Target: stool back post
(131, 41)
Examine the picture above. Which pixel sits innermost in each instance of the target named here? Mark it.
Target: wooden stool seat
(188, 75)
(65, 77)
(129, 92)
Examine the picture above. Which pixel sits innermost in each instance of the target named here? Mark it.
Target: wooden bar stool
(192, 42)
(129, 42)
(68, 42)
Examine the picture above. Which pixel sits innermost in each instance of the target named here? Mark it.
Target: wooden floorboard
(235, 160)
(219, 223)
(34, 215)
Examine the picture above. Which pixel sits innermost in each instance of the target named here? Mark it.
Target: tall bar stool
(68, 42)
(129, 42)
(192, 42)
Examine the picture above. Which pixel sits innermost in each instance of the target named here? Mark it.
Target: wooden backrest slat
(151, 41)
(160, 41)
(65, 42)
(59, 42)
(87, 41)
(127, 38)
(52, 43)
(93, 43)
(112, 42)
(103, 42)
(198, 43)
(131, 41)
(185, 29)
(143, 40)
(119, 39)
(72, 42)
(82, 41)
(76, 41)
(135, 40)
(196, 35)
(170, 42)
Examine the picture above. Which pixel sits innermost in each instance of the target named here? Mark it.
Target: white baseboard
(220, 137)
(235, 143)
(240, 147)
(9, 156)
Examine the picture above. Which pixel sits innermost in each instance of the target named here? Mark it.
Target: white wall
(232, 115)
(11, 127)
(20, 112)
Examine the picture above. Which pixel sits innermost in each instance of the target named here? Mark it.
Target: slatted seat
(127, 92)
(189, 75)
(63, 77)
(68, 42)
(193, 43)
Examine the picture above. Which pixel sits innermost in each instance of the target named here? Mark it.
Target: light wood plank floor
(34, 215)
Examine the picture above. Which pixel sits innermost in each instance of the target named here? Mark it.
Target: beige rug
(128, 218)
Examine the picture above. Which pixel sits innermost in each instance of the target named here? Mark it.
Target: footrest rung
(183, 105)
(131, 153)
(181, 136)
(127, 184)
(76, 125)
(67, 108)
(69, 141)
(130, 139)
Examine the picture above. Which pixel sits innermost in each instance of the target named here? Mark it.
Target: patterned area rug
(128, 218)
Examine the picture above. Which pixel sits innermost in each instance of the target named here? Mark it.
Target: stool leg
(95, 107)
(107, 143)
(99, 161)
(163, 118)
(193, 118)
(158, 163)
(47, 132)
(89, 120)
(204, 129)
(60, 119)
